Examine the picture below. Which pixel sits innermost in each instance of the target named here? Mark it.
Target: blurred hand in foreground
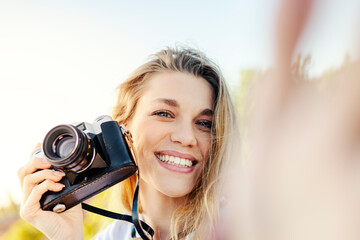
(301, 176)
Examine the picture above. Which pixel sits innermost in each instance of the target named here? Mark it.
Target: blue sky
(60, 61)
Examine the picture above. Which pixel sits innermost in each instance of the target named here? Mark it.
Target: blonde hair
(198, 213)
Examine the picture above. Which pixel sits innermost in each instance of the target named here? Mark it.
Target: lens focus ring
(67, 148)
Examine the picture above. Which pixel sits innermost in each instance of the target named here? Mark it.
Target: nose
(183, 133)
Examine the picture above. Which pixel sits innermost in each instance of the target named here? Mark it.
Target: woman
(180, 114)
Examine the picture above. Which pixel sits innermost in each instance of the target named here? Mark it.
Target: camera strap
(140, 226)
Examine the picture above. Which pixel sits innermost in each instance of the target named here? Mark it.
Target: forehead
(182, 87)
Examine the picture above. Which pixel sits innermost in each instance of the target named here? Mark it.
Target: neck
(157, 210)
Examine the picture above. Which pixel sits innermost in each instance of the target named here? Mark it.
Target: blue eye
(165, 114)
(205, 124)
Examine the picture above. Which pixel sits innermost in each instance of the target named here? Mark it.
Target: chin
(176, 195)
(175, 192)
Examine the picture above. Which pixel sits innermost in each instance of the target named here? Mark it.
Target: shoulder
(119, 230)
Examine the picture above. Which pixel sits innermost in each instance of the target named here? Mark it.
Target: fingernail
(58, 173)
(60, 185)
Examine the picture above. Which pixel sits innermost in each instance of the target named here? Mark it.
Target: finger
(37, 146)
(32, 166)
(272, 94)
(290, 23)
(31, 205)
(30, 181)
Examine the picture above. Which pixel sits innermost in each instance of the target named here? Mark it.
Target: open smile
(176, 160)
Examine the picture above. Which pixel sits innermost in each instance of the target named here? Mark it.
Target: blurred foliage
(241, 93)
(300, 67)
(20, 229)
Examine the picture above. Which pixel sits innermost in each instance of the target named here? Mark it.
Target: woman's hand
(300, 178)
(36, 178)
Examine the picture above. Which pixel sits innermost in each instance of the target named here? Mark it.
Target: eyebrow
(207, 112)
(174, 103)
(170, 102)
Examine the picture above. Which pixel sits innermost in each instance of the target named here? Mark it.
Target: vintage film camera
(93, 156)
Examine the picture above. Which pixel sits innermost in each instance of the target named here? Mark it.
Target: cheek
(204, 145)
(143, 153)
(145, 142)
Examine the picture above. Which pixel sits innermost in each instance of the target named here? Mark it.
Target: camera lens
(64, 146)
(68, 148)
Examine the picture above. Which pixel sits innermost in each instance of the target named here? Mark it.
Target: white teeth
(182, 162)
(188, 163)
(176, 161)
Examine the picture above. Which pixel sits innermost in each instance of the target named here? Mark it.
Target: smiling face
(171, 129)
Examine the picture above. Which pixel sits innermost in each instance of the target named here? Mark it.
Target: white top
(119, 230)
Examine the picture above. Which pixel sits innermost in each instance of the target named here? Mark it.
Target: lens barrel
(69, 149)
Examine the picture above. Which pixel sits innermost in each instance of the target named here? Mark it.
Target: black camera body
(94, 157)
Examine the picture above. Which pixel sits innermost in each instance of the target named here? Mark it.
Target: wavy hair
(198, 213)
